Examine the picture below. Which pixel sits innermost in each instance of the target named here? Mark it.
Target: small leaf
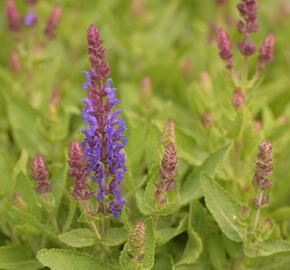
(267, 248)
(79, 238)
(192, 188)
(61, 259)
(115, 237)
(223, 208)
(148, 261)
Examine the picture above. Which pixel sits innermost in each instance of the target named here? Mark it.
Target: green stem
(245, 74)
(258, 211)
(54, 223)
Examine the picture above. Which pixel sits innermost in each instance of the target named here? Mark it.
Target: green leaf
(194, 245)
(223, 208)
(61, 259)
(148, 261)
(152, 147)
(115, 237)
(5, 173)
(217, 252)
(267, 248)
(192, 249)
(17, 258)
(192, 187)
(274, 262)
(79, 238)
(166, 234)
(23, 121)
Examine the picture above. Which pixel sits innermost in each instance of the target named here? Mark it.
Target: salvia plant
(144, 135)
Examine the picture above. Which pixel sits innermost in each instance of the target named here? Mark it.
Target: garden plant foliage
(144, 134)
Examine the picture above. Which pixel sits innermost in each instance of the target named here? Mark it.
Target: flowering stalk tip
(225, 47)
(13, 16)
(168, 171)
(168, 135)
(40, 175)
(136, 244)
(78, 172)
(53, 22)
(238, 98)
(266, 51)
(104, 136)
(264, 167)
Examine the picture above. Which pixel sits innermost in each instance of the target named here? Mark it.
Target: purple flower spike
(30, 18)
(104, 135)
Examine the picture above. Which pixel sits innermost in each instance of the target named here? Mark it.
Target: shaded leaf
(223, 208)
(17, 258)
(192, 187)
(267, 248)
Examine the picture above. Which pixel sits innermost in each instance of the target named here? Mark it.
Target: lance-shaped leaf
(267, 248)
(62, 259)
(194, 244)
(152, 148)
(223, 208)
(274, 262)
(79, 238)
(192, 187)
(147, 262)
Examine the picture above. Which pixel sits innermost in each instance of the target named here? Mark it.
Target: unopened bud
(205, 80)
(266, 50)
(40, 175)
(225, 47)
(146, 88)
(13, 16)
(53, 22)
(19, 201)
(14, 62)
(168, 135)
(207, 120)
(238, 98)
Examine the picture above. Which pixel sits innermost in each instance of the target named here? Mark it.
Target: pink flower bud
(53, 22)
(266, 50)
(13, 16)
(238, 98)
(40, 175)
(225, 47)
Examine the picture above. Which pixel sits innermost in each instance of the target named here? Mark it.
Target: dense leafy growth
(185, 167)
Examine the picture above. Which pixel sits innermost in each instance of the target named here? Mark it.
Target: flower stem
(258, 211)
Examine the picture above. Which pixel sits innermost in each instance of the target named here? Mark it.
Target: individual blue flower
(30, 18)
